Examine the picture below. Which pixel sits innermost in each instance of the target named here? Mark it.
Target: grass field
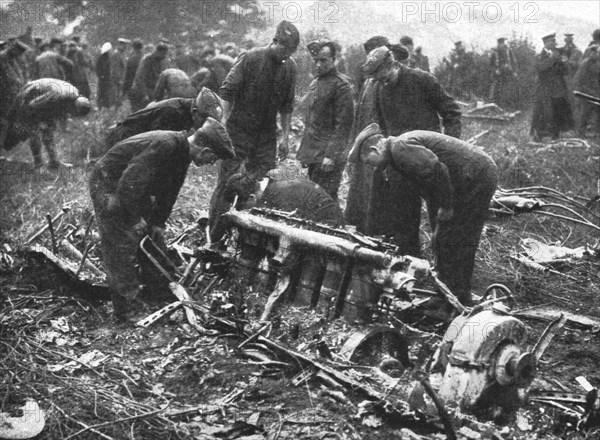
(165, 364)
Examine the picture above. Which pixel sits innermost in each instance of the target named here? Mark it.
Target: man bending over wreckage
(298, 196)
(456, 179)
(175, 114)
(134, 187)
(34, 114)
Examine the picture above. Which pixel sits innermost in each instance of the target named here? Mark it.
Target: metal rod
(83, 257)
(316, 293)
(52, 236)
(87, 230)
(45, 227)
(340, 299)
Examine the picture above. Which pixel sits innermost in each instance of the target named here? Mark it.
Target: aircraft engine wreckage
(483, 352)
(482, 360)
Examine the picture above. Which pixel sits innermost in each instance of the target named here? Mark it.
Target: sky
(438, 24)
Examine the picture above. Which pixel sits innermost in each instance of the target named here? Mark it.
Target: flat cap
(314, 47)
(287, 34)
(124, 40)
(106, 47)
(217, 138)
(209, 103)
(569, 35)
(501, 39)
(375, 42)
(548, 36)
(369, 131)
(375, 59)
(458, 43)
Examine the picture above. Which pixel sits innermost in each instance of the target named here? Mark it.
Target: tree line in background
(179, 21)
(208, 23)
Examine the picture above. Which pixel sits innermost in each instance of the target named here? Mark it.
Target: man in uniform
(50, 63)
(132, 64)
(146, 77)
(37, 108)
(260, 85)
(79, 76)
(552, 112)
(134, 187)
(176, 114)
(587, 80)
(173, 83)
(117, 69)
(456, 179)
(329, 116)
(10, 84)
(504, 72)
(407, 99)
(359, 174)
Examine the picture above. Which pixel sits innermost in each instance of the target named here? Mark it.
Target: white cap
(106, 47)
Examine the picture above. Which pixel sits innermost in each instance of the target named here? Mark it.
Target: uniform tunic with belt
(450, 174)
(329, 117)
(146, 173)
(258, 87)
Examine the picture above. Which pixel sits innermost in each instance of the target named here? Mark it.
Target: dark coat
(152, 164)
(552, 112)
(170, 114)
(258, 86)
(79, 73)
(360, 175)
(452, 174)
(9, 80)
(143, 167)
(329, 117)
(147, 75)
(133, 62)
(416, 101)
(105, 94)
(50, 64)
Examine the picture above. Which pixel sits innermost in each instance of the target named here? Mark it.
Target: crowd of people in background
(395, 128)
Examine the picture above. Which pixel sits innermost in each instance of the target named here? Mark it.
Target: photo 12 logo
(271, 11)
(454, 12)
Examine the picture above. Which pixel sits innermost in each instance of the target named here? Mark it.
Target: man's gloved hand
(327, 165)
(156, 233)
(241, 185)
(141, 228)
(113, 203)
